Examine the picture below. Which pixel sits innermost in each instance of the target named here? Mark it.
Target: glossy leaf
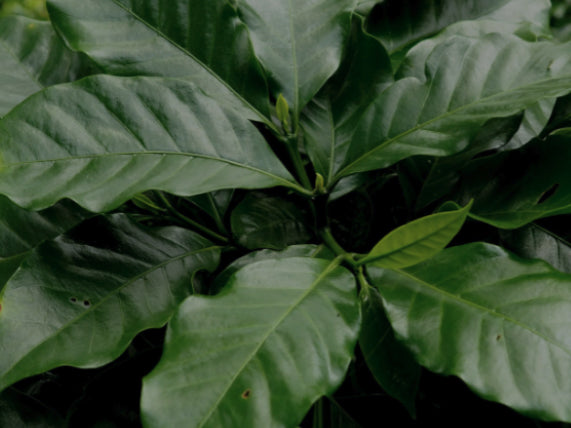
(32, 58)
(22, 230)
(261, 221)
(105, 139)
(200, 40)
(513, 189)
(440, 116)
(299, 43)
(260, 353)
(418, 240)
(390, 362)
(498, 322)
(79, 300)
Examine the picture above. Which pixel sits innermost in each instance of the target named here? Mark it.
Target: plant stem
(292, 147)
(191, 222)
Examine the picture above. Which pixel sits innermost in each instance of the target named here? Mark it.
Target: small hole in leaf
(548, 194)
(86, 303)
(73, 299)
(246, 394)
(498, 337)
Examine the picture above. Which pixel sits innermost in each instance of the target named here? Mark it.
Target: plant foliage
(263, 213)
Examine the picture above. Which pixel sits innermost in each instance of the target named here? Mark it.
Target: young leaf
(32, 58)
(498, 322)
(441, 115)
(202, 41)
(390, 362)
(79, 299)
(299, 42)
(418, 240)
(104, 139)
(260, 353)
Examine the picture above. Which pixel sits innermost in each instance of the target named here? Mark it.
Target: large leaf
(513, 189)
(22, 230)
(200, 40)
(79, 299)
(328, 120)
(401, 23)
(499, 322)
(31, 58)
(417, 240)
(260, 353)
(299, 42)
(262, 221)
(440, 115)
(104, 139)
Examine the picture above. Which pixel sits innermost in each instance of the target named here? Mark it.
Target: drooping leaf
(440, 115)
(262, 221)
(32, 58)
(22, 230)
(498, 322)
(516, 188)
(299, 42)
(104, 139)
(260, 353)
(200, 40)
(536, 242)
(328, 120)
(390, 362)
(418, 240)
(79, 300)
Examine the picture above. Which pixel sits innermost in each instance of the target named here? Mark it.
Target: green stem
(191, 222)
(362, 281)
(292, 147)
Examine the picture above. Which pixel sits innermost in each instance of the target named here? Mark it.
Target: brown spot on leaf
(73, 299)
(86, 303)
(246, 394)
(498, 337)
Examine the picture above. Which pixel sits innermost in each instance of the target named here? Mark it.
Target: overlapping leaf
(499, 322)
(31, 58)
(468, 81)
(80, 299)
(260, 353)
(104, 139)
(203, 41)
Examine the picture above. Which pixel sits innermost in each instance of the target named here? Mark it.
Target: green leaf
(418, 240)
(18, 410)
(203, 41)
(79, 300)
(440, 115)
(390, 362)
(401, 23)
(22, 230)
(498, 322)
(329, 119)
(32, 58)
(102, 140)
(513, 189)
(299, 43)
(260, 353)
(273, 222)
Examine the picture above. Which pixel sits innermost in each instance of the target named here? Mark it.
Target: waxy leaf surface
(499, 322)
(80, 299)
(278, 337)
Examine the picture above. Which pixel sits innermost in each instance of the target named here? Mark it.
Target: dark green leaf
(104, 139)
(498, 322)
(260, 353)
(80, 299)
(200, 40)
(261, 221)
(18, 410)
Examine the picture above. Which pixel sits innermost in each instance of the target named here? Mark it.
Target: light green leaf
(299, 42)
(80, 299)
(418, 240)
(104, 139)
(200, 40)
(32, 58)
(262, 221)
(440, 115)
(22, 230)
(278, 337)
(499, 322)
